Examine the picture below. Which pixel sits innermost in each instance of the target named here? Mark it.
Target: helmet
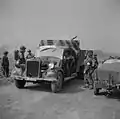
(90, 53)
(29, 50)
(16, 50)
(22, 48)
(6, 52)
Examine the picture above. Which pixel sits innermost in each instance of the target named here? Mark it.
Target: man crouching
(20, 59)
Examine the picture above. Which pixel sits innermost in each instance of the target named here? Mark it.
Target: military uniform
(22, 59)
(30, 55)
(95, 66)
(76, 45)
(95, 62)
(20, 63)
(88, 70)
(68, 59)
(5, 64)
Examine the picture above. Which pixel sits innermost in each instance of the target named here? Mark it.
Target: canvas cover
(65, 43)
(109, 69)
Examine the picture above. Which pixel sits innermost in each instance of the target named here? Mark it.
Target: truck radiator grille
(32, 69)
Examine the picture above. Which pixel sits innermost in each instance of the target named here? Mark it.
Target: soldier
(88, 81)
(95, 66)
(5, 64)
(22, 59)
(95, 61)
(30, 55)
(20, 63)
(76, 45)
(67, 58)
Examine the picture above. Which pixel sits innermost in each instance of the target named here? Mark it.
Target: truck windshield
(47, 49)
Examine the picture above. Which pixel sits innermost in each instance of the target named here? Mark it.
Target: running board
(71, 77)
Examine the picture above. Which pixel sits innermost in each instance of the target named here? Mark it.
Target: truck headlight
(88, 63)
(17, 62)
(51, 65)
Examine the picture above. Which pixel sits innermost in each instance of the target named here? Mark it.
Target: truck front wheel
(56, 86)
(20, 83)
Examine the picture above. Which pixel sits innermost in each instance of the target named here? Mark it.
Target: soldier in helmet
(88, 70)
(20, 63)
(29, 55)
(5, 64)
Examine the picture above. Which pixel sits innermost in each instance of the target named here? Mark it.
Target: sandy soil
(73, 102)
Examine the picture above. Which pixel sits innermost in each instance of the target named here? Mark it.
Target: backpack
(16, 55)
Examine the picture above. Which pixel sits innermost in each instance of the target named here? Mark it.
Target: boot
(90, 87)
(86, 85)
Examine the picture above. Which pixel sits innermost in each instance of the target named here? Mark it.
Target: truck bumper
(48, 76)
(35, 79)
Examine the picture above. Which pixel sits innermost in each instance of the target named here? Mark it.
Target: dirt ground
(73, 102)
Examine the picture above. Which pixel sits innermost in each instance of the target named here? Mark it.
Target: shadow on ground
(39, 87)
(71, 86)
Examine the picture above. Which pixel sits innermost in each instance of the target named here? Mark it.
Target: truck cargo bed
(108, 71)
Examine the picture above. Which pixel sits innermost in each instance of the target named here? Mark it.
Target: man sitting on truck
(29, 55)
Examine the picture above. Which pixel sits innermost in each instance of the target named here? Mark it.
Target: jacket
(5, 61)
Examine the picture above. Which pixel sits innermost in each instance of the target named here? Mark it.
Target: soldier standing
(95, 62)
(76, 45)
(88, 81)
(30, 55)
(95, 66)
(5, 64)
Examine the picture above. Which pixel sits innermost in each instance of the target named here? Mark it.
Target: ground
(73, 102)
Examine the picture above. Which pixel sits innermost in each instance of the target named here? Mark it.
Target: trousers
(6, 71)
(88, 79)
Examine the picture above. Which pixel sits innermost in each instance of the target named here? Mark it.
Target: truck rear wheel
(20, 83)
(56, 86)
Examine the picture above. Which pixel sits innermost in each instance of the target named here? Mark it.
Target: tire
(57, 86)
(96, 91)
(20, 84)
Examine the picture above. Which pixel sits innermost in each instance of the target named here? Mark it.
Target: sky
(95, 22)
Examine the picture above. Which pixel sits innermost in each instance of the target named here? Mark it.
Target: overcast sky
(96, 22)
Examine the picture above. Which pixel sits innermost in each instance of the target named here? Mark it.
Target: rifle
(74, 38)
